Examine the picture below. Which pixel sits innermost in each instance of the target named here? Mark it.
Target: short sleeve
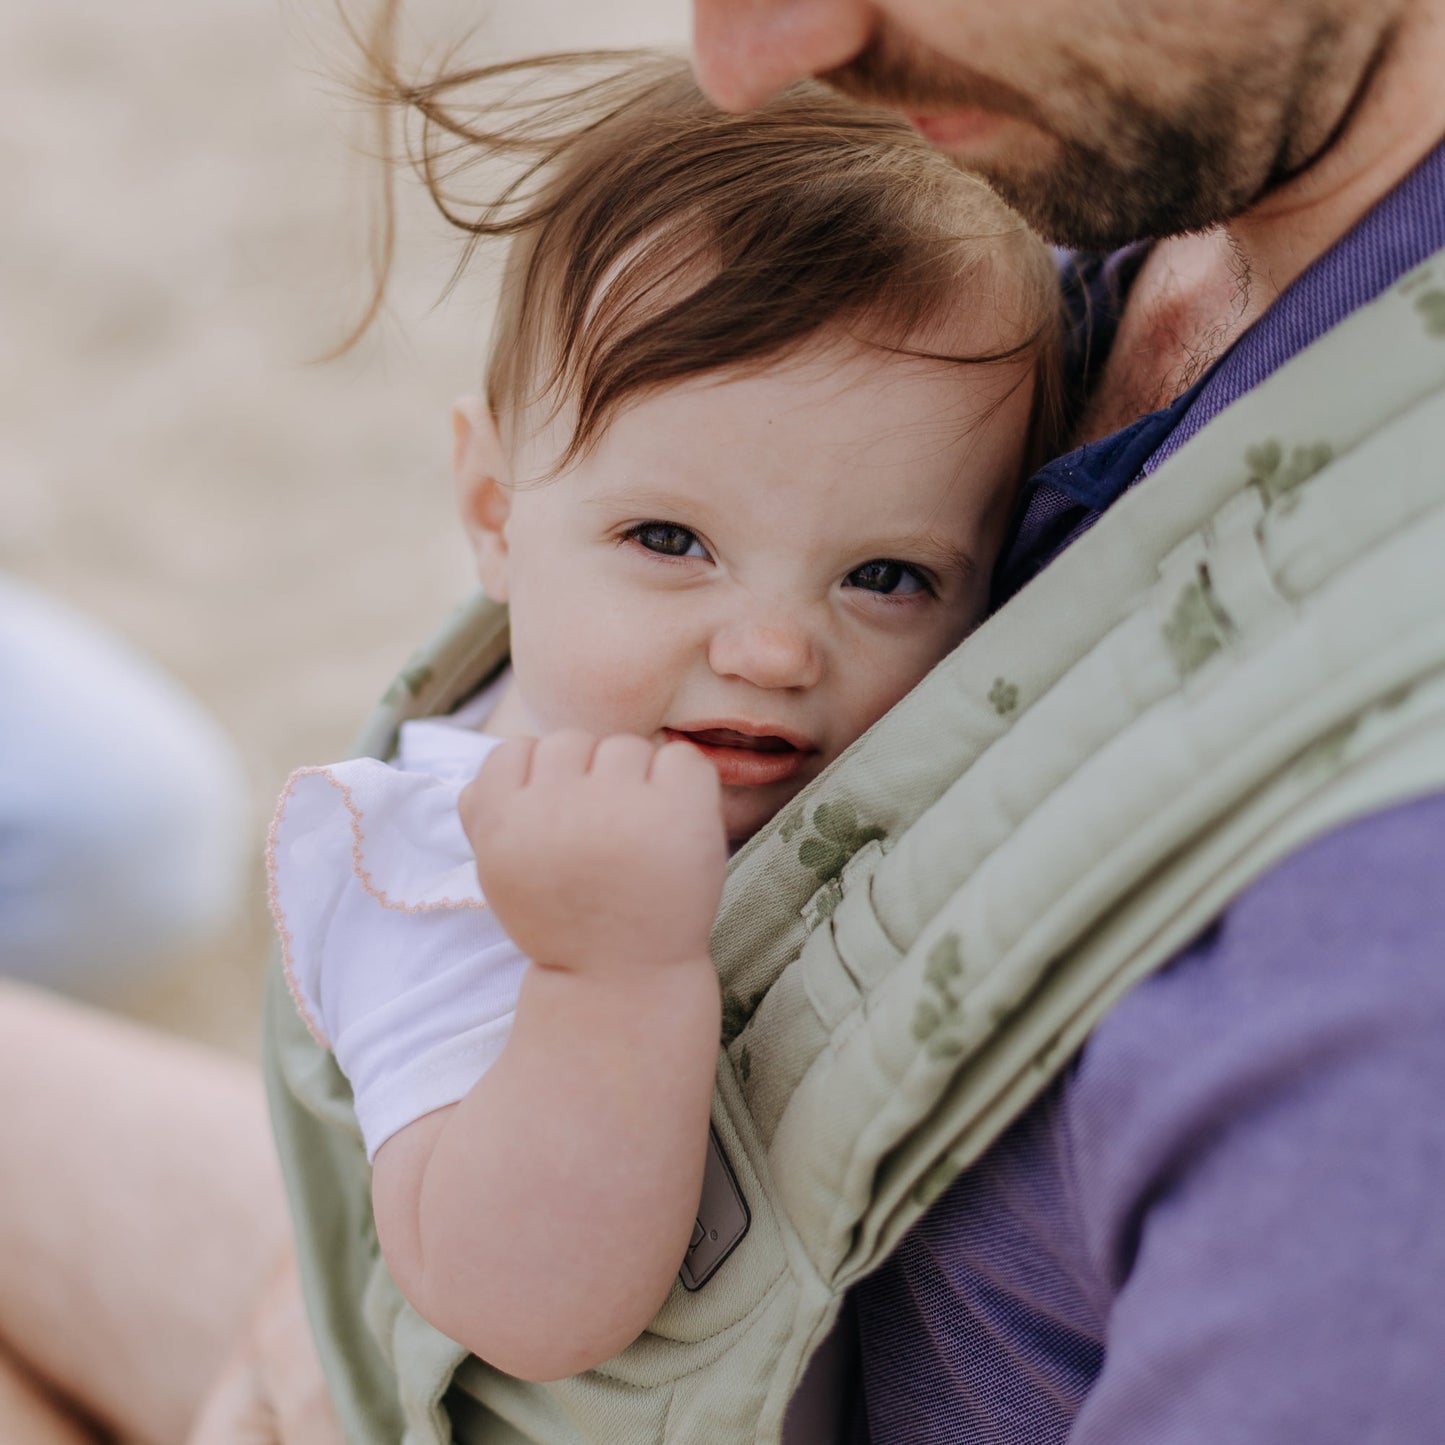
(394, 960)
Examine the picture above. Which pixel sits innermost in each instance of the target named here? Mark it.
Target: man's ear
(482, 475)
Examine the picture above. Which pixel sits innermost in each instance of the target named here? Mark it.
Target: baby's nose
(773, 652)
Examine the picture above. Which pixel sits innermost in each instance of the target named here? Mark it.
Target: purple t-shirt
(1225, 1224)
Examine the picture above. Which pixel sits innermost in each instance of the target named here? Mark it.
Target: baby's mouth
(744, 759)
(727, 738)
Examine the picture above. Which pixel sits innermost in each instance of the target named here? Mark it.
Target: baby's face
(761, 566)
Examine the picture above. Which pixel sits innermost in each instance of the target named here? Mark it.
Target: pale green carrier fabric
(1249, 648)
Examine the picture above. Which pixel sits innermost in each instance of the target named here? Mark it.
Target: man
(1220, 1225)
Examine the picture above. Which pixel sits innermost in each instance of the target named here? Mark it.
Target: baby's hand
(599, 855)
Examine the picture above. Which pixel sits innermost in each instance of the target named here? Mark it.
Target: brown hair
(657, 238)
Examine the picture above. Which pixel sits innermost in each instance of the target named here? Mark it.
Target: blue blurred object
(124, 834)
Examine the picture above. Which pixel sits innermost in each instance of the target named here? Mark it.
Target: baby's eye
(889, 577)
(668, 539)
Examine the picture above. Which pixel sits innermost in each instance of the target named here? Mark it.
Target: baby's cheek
(894, 677)
(591, 673)
(609, 699)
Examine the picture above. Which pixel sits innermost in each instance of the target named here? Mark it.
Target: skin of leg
(271, 1390)
(143, 1211)
(29, 1416)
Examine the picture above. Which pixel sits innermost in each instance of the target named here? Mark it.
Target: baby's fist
(599, 854)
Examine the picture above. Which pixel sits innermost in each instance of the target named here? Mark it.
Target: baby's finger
(680, 765)
(623, 757)
(562, 755)
(506, 769)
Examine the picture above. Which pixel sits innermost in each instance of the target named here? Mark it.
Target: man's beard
(1170, 178)
(1155, 175)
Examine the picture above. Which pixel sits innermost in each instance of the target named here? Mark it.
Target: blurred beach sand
(186, 231)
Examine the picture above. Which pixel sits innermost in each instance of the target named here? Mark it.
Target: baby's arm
(541, 1221)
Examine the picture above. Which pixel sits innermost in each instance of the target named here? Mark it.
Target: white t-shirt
(393, 958)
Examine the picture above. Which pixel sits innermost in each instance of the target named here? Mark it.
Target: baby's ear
(481, 472)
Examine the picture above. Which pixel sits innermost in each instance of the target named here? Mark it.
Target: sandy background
(185, 229)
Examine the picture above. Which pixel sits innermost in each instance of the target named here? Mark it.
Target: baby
(759, 394)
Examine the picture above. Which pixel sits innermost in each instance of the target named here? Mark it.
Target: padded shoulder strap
(1089, 779)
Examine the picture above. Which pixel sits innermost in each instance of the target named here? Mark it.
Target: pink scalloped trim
(358, 867)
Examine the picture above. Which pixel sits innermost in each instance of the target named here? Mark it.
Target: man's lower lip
(747, 767)
(955, 128)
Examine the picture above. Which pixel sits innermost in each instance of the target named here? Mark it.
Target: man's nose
(745, 51)
(772, 651)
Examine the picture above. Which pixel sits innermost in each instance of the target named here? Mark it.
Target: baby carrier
(1247, 650)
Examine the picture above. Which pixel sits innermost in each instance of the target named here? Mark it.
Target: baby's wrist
(675, 989)
(641, 963)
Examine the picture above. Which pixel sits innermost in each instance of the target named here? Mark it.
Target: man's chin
(1096, 207)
